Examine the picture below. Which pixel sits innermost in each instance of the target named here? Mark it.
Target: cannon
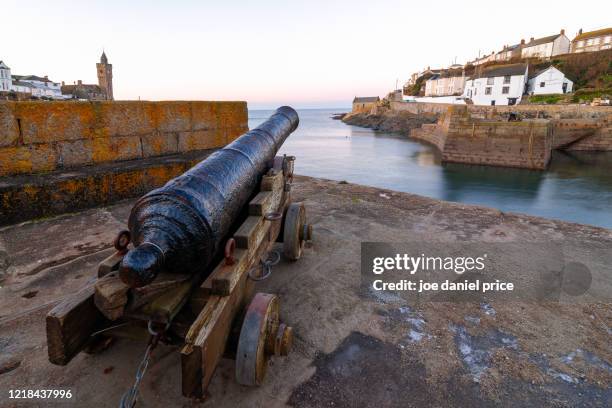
(185, 272)
(180, 226)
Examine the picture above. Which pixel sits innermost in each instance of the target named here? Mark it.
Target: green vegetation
(588, 94)
(546, 99)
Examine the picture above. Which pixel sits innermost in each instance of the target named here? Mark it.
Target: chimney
(522, 41)
(562, 31)
(79, 82)
(46, 77)
(63, 83)
(531, 40)
(580, 31)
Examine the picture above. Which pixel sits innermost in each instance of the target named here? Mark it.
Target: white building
(546, 47)
(41, 86)
(598, 40)
(22, 87)
(500, 85)
(5, 77)
(548, 81)
(484, 59)
(444, 85)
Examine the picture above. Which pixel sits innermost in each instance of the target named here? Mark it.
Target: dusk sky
(269, 52)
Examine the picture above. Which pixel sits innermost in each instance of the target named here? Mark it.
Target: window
(542, 84)
(490, 81)
(608, 39)
(590, 41)
(507, 79)
(596, 41)
(506, 90)
(488, 90)
(580, 43)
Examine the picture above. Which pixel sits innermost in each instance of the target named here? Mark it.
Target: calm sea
(577, 186)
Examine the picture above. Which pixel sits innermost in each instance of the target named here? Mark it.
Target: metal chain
(266, 267)
(128, 400)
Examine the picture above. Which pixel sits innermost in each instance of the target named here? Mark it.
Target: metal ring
(161, 251)
(259, 278)
(153, 332)
(273, 216)
(230, 246)
(276, 257)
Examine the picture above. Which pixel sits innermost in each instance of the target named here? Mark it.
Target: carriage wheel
(261, 336)
(295, 231)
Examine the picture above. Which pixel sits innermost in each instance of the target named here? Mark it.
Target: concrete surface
(352, 349)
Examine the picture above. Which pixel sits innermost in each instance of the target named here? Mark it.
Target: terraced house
(546, 47)
(589, 41)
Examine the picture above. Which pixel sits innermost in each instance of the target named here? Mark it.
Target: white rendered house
(546, 47)
(5, 77)
(548, 81)
(501, 85)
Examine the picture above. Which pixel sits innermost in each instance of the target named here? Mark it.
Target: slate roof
(591, 34)
(19, 83)
(543, 40)
(503, 70)
(366, 99)
(34, 78)
(71, 89)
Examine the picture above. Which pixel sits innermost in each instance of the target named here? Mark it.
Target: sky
(306, 54)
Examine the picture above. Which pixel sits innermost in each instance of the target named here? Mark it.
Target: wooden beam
(110, 264)
(70, 325)
(205, 344)
(111, 296)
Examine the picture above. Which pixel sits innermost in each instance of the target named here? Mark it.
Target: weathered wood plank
(109, 264)
(272, 183)
(261, 203)
(162, 283)
(111, 296)
(70, 324)
(225, 277)
(206, 344)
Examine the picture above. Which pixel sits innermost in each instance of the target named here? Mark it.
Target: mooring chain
(266, 266)
(129, 398)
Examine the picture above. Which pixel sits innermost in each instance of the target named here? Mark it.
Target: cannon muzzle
(180, 226)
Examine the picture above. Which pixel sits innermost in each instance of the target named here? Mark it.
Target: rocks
(388, 121)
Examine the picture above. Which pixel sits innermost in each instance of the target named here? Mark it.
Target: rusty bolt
(283, 340)
(306, 233)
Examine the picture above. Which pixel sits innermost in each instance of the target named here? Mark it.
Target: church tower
(105, 76)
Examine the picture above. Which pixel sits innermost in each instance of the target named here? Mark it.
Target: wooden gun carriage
(208, 318)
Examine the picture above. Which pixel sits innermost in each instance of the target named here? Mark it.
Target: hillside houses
(502, 85)
(546, 47)
(598, 40)
(446, 82)
(548, 81)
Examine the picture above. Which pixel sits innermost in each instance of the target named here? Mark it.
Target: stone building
(90, 92)
(592, 41)
(103, 91)
(363, 104)
(105, 76)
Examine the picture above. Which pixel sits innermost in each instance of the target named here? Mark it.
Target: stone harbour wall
(528, 111)
(38, 137)
(463, 139)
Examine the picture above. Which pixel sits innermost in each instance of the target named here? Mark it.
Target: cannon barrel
(179, 227)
